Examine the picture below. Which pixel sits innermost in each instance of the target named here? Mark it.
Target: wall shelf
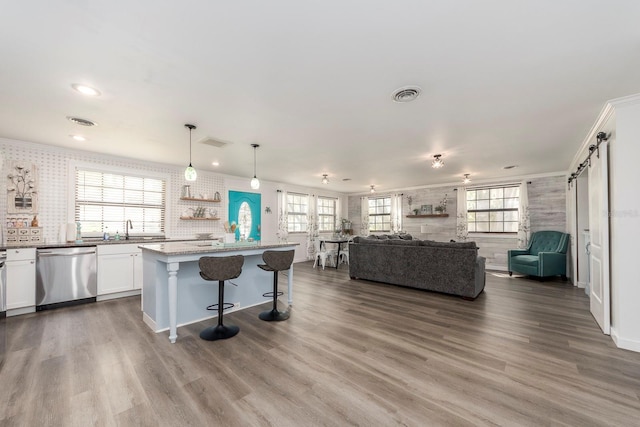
(193, 199)
(199, 218)
(442, 215)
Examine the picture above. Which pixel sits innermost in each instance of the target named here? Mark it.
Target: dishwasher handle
(48, 254)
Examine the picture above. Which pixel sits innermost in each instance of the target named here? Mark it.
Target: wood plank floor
(352, 353)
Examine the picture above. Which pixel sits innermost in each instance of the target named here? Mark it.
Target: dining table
(338, 240)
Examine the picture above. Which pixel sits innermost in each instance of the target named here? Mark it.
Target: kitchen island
(174, 294)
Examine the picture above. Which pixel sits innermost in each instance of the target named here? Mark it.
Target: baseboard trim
(116, 295)
(623, 343)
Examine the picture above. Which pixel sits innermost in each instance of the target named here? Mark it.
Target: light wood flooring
(352, 353)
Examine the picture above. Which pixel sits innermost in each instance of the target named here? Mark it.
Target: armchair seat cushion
(531, 260)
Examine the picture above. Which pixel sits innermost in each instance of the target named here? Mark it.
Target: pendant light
(373, 189)
(255, 182)
(190, 173)
(325, 179)
(466, 178)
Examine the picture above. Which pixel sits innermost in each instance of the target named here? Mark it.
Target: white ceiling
(504, 83)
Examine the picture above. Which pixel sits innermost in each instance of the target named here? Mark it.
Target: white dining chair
(322, 254)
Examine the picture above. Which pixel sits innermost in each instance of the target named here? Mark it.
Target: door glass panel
(244, 220)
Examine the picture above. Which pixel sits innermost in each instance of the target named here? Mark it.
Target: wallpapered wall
(547, 206)
(53, 182)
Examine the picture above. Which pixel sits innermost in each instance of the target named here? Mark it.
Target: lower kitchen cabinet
(119, 268)
(21, 280)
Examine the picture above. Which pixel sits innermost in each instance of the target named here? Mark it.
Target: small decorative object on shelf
(442, 207)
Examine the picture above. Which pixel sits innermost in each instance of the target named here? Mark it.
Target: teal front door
(244, 210)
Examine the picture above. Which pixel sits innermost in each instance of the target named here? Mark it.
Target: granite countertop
(208, 246)
(98, 241)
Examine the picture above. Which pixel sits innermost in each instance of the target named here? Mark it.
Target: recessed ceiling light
(78, 137)
(406, 94)
(510, 167)
(82, 122)
(85, 90)
(215, 163)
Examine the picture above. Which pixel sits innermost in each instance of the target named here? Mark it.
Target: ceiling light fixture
(373, 189)
(190, 173)
(437, 162)
(85, 90)
(255, 183)
(215, 163)
(466, 178)
(79, 138)
(325, 180)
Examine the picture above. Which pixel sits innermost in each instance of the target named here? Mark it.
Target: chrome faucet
(127, 224)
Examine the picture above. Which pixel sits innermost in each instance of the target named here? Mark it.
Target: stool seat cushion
(278, 260)
(265, 267)
(221, 268)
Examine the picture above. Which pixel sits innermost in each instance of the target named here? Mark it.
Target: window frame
(380, 215)
(490, 210)
(75, 166)
(334, 215)
(296, 214)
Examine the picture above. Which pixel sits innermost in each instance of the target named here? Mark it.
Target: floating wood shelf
(193, 199)
(442, 215)
(197, 218)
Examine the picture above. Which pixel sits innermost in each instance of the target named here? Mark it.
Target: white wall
(54, 196)
(621, 119)
(547, 207)
(625, 224)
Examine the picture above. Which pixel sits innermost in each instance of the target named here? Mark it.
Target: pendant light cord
(254, 161)
(190, 129)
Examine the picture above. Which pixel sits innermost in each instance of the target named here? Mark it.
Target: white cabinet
(119, 268)
(21, 280)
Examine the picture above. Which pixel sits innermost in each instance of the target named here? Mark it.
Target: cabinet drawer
(21, 254)
(118, 248)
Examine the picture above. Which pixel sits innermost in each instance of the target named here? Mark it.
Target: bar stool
(275, 261)
(220, 269)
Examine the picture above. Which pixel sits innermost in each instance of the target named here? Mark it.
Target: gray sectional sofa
(452, 268)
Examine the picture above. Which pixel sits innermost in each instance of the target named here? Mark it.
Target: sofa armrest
(552, 263)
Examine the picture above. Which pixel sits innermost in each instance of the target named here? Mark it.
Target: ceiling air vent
(213, 142)
(81, 122)
(406, 94)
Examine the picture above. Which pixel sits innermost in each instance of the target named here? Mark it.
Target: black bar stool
(275, 261)
(220, 269)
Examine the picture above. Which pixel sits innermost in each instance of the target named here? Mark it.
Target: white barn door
(599, 231)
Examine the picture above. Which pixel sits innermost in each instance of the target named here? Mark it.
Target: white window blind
(104, 201)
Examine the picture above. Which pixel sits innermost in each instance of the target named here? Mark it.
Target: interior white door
(599, 231)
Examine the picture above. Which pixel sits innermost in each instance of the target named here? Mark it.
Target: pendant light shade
(190, 173)
(255, 182)
(325, 179)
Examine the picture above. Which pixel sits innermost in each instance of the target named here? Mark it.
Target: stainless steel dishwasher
(65, 276)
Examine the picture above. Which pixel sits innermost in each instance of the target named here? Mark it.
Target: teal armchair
(546, 255)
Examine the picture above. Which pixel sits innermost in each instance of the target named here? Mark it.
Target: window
(326, 214)
(104, 201)
(297, 209)
(493, 210)
(380, 214)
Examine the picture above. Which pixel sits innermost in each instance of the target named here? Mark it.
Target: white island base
(174, 294)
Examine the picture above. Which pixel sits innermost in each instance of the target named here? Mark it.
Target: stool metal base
(273, 315)
(219, 332)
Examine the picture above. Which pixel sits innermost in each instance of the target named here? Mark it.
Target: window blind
(104, 201)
